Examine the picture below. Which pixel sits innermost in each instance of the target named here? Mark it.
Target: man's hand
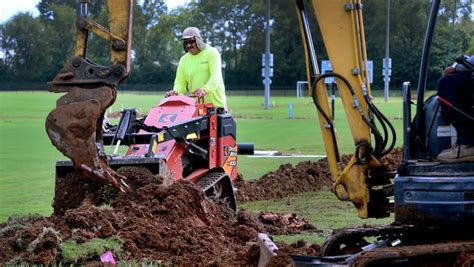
(171, 93)
(199, 93)
(449, 70)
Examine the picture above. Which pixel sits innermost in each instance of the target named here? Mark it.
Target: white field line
(277, 154)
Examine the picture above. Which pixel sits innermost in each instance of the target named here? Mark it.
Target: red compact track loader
(180, 138)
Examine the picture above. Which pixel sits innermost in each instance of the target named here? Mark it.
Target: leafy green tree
(46, 7)
(149, 46)
(230, 32)
(4, 70)
(59, 17)
(26, 48)
(375, 19)
(470, 49)
(451, 38)
(61, 31)
(163, 50)
(287, 46)
(233, 34)
(238, 35)
(407, 37)
(98, 49)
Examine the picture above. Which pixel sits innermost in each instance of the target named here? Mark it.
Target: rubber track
(429, 241)
(209, 180)
(344, 236)
(436, 251)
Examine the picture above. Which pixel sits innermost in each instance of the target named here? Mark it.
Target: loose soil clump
(174, 225)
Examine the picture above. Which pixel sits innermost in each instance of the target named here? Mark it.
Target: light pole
(267, 81)
(387, 61)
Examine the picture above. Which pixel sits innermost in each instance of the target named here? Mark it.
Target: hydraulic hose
(380, 142)
(326, 117)
(384, 122)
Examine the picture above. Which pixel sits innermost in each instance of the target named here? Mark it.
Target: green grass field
(27, 157)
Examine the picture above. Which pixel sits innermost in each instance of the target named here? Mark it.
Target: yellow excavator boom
(342, 30)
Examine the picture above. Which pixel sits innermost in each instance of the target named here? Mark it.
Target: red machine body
(180, 138)
(218, 139)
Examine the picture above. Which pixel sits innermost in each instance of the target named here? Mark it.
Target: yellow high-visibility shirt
(202, 71)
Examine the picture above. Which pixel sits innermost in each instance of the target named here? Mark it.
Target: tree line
(34, 49)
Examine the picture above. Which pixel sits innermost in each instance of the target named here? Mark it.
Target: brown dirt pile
(286, 224)
(306, 176)
(175, 225)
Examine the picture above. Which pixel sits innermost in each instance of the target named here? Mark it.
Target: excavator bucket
(75, 126)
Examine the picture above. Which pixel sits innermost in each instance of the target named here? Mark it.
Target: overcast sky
(8, 8)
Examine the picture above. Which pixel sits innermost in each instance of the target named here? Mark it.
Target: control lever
(197, 149)
(128, 116)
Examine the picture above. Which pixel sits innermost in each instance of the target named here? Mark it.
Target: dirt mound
(277, 224)
(173, 225)
(306, 176)
(392, 160)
